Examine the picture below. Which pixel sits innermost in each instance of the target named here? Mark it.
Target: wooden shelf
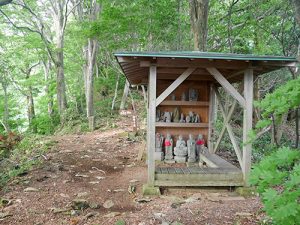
(184, 103)
(196, 125)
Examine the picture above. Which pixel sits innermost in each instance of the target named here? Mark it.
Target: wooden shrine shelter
(171, 73)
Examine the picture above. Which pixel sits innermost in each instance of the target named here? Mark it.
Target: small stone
(31, 189)
(108, 204)
(74, 212)
(95, 206)
(133, 181)
(112, 214)
(64, 195)
(90, 214)
(81, 175)
(100, 178)
(119, 190)
(243, 214)
(94, 182)
(82, 194)
(80, 204)
(59, 210)
(5, 202)
(143, 200)
(4, 215)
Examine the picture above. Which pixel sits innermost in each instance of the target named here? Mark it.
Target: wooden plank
(164, 124)
(207, 179)
(151, 124)
(211, 118)
(247, 124)
(184, 103)
(230, 131)
(174, 85)
(227, 86)
(216, 160)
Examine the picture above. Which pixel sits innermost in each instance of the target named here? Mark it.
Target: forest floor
(98, 173)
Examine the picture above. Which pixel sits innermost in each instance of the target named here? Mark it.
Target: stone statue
(182, 120)
(197, 119)
(187, 119)
(169, 147)
(176, 115)
(173, 97)
(180, 150)
(167, 117)
(193, 95)
(183, 96)
(191, 144)
(158, 142)
(200, 146)
(158, 154)
(192, 117)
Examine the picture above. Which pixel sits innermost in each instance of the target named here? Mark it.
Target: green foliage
(23, 157)
(280, 101)
(277, 178)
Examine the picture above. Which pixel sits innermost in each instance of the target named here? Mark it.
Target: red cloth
(167, 143)
(200, 142)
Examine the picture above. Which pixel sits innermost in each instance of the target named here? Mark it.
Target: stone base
(191, 160)
(158, 156)
(180, 159)
(150, 190)
(169, 161)
(181, 151)
(192, 164)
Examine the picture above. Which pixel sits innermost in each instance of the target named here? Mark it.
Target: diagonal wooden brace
(227, 86)
(174, 85)
(230, 131)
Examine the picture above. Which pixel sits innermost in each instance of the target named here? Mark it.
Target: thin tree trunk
(116, 93)
(31, 111)
(199, 20)
(125, 95)
(47, 75)
(6, 108)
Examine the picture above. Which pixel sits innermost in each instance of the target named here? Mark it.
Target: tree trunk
(5, 122)
(116, 93)
(31, 111)
(125, 95)
(48, 77)
(60, 78)
(199, 20)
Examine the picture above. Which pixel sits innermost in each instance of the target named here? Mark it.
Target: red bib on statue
(167, 143)
(200, 142)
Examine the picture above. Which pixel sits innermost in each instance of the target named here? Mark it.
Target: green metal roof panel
(205, 55)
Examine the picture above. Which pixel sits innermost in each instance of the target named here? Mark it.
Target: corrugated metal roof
(206, 55)
(171, 64)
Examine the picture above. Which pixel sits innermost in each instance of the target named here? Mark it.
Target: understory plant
(277, 178)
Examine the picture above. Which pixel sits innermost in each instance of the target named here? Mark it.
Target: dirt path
(99, 167)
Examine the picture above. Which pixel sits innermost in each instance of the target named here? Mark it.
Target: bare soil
(101, 166)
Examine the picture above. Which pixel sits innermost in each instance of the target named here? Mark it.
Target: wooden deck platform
(219, 173)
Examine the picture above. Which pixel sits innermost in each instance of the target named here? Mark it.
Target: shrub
(277, 178)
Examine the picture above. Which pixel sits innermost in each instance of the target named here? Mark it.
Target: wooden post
(151, 124)
(247, 123)
(212, 113)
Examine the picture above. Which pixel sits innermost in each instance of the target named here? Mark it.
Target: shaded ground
(100, 167)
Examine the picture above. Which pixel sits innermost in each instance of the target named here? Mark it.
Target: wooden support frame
(229, 128)
(227, 86)
(174, 85)
(211, 118)
(151, 123)
(247, 123)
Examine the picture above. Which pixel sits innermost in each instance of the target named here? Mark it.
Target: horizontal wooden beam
(227, 86)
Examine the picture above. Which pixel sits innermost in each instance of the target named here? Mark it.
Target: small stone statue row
(184, 151)
(169, 117)
(192, 95)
